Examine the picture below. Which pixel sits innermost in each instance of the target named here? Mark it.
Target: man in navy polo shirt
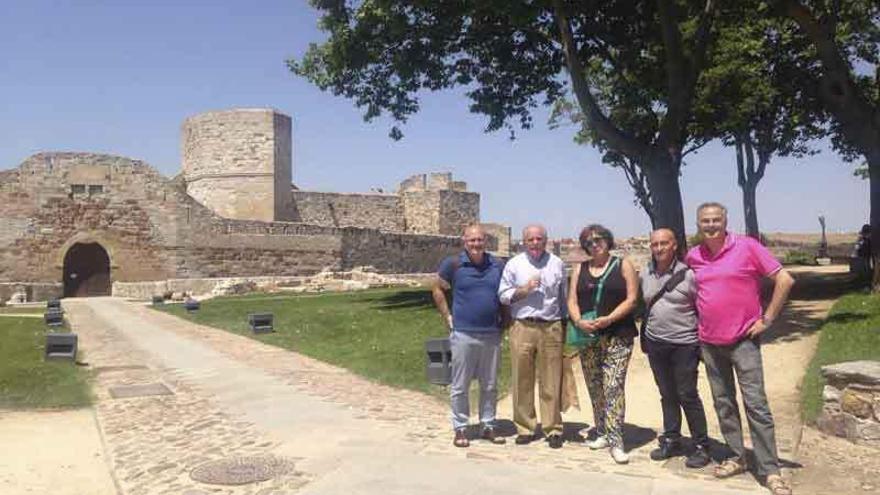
(474, 326)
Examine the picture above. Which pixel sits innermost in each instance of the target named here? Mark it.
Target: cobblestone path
(234, 397)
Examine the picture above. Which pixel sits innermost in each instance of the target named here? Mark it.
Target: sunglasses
(593, 241)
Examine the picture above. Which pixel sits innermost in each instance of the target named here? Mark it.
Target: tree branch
(681, 76)
(740, 174)
(614, 137)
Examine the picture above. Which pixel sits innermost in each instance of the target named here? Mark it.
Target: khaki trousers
(536, 347)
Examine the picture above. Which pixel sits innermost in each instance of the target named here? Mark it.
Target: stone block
(867, 430)
(834, 422)
(862, 372)
(830, 394)
(859, 404)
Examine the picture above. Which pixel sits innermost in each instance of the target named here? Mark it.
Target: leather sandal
(729, 467)
(777, 485)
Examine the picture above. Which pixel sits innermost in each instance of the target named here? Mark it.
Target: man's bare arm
(782, 284)
(438, 291)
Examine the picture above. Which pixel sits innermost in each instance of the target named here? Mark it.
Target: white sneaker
(619, 455)
(598, 443)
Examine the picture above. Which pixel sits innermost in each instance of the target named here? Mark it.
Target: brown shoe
(490, 435)
(461, 439)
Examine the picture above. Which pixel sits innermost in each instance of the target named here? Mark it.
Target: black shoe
(699, 458)
(555, 441)
(666, 450)
(490, 435)
(523, 439)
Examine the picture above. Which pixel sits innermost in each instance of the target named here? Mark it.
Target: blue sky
(120, 76)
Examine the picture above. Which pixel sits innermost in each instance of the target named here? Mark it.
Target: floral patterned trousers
(605, 364)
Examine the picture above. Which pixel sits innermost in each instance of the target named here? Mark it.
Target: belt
(537, 320)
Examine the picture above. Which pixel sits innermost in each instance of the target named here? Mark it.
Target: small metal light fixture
(438, 368)
(158, 300)
(191, 305)
(54, 317)
(61, 346)
(261, 322)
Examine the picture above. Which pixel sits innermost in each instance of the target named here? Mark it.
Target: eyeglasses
(593, 241)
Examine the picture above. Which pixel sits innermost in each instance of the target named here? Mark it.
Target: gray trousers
(743, 359)
(474, 355)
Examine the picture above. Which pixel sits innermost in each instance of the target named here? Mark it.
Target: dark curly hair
(597, 230)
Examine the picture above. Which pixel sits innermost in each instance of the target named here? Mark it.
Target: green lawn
(17, 310)
(851, 332)
(26, 381)
(378, 334)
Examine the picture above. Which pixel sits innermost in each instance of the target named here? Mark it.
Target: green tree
(632, 67)
(845, 36)
(751, 99)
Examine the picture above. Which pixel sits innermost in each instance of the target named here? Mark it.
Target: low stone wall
(197, 286)
(852, 402)
(357, 279)
(32, 291)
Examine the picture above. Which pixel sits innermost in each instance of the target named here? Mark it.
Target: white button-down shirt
(547, 302)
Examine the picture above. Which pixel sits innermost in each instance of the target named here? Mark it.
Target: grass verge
(850, 333)
(26, 380)
(379, 334)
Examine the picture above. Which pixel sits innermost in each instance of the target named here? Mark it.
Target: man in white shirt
(533, 284)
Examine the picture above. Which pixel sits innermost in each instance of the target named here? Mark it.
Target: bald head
(663, 247)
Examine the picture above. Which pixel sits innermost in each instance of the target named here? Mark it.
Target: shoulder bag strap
(598, 295)
(670, 284)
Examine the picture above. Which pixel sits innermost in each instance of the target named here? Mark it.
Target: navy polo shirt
(475, 302)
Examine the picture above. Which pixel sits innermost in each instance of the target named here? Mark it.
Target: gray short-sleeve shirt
(673, 319)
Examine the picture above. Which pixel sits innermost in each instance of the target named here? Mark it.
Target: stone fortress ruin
(76, 224)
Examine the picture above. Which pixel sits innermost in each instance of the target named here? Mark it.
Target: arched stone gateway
(86, 271)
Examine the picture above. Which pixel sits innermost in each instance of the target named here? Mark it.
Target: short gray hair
(711, 204)
(535, 226)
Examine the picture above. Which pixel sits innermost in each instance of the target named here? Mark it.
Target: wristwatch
(766, 320)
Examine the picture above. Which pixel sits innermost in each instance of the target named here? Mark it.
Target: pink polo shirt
(729, 287)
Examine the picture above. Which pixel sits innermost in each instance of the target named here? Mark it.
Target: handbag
(670, 284)
(576, 337)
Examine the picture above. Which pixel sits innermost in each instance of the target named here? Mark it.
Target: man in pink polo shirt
(729, 269)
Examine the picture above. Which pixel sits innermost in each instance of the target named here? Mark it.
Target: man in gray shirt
(670, 340)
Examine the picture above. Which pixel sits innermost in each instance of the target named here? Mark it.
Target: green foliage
(379, 334)
(26, 381)
(849, 333)
(796, 257)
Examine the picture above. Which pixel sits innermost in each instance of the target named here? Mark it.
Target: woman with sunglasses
(601, 301)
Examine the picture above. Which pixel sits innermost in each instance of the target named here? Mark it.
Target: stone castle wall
(232, 212)
(376, 211)
(153, 230)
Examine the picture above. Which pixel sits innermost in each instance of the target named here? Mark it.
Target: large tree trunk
(662, 177)
(874, 177)
(751, 210)
(748, 178)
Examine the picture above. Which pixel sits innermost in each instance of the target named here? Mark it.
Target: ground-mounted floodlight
(54, 317)
(191, 305)
(261, 322)
(158, 300)
(438, 368)
(61, 346)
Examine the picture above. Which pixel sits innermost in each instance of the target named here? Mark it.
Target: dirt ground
(58, 452)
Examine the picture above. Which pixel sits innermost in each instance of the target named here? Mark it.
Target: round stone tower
(238, 163)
